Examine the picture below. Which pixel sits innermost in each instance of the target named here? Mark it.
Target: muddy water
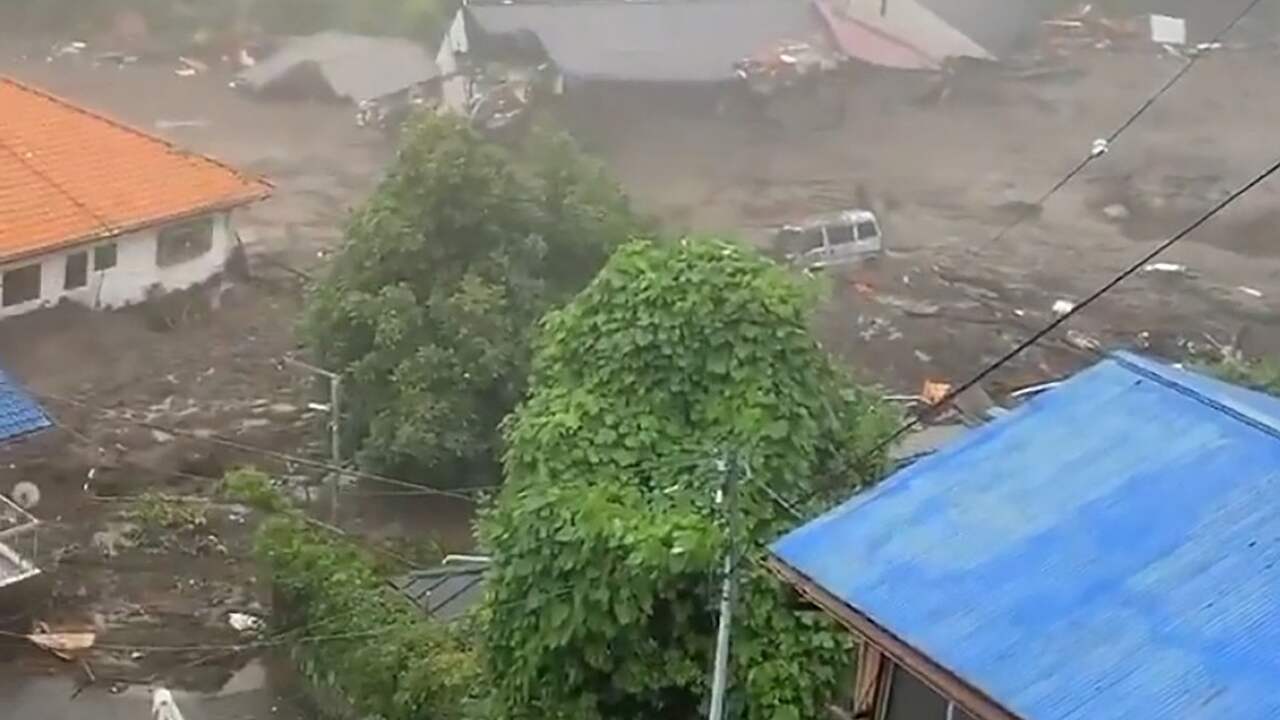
(381, 511)
(262, 690)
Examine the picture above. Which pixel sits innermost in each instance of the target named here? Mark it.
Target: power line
(284, 638)
(1048, 329)
(1101, 148)
(411, 488)
(216, 439)
(1054, 325)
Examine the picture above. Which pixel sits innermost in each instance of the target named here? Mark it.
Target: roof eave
(262, 193)
(974, 701)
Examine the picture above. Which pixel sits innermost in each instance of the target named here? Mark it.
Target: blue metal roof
(1109, 550)
(19, 414)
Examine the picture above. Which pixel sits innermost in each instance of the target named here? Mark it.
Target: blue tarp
(19, 414)
(1109, 550)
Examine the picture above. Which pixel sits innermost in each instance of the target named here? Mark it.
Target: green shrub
(252, 487)
(357, 636)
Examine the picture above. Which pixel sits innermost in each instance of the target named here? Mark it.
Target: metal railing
(19, 543)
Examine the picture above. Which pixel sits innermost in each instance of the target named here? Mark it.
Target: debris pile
(1086, 26)
(785, 64)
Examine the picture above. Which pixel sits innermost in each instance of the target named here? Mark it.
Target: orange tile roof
(69, 176)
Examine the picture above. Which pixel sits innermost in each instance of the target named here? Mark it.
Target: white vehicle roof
(848, 217)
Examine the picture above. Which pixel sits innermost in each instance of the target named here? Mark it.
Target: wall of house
(134, 275)
(455, 86)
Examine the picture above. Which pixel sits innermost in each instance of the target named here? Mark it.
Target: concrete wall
(455, 86)
(133, 276)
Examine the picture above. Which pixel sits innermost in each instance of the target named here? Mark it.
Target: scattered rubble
(26, 494)
(117, 537)
(245, 623)
(1117, 212)
(62, 644)
(934, 392)
(1080, 341)
(1164, 267)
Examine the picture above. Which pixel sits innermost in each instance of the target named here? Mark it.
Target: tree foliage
(353, 635)
(605, 537)
(429, 306)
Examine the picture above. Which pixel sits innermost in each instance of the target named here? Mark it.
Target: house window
(20, 285)
(77, 271)
(104, 257)
(188, 241)
(909, 698)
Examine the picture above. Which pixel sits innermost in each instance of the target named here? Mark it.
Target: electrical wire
(1124, 126)
(282, 639)
(666, 463)
(216, 439)
(1052, 326)
(791, 507)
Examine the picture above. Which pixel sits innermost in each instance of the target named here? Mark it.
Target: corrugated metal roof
(19, 414)
(999, 26)
(907, 35)
(445, 592)
(356, 67)
(653, 41)
(1108, 550)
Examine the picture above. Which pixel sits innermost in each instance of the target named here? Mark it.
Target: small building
(1108, 550)
(358, 68)
(901, 34)
(448, 591)
(95, 212)
(20, 416)
(682, 43)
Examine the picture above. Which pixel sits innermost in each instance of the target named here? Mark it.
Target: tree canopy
(676, 365)
(429, 305)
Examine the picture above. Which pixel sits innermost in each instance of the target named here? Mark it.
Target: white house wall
(134, 275)
(455, 86)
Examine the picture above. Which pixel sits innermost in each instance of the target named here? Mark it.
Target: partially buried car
(830, 239)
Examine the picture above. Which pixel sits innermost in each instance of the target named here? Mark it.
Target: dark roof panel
(444, 593)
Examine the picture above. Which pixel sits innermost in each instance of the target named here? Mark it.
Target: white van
(837, 238)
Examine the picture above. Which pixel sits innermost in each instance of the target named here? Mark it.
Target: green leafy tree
(606, 540)
(352, 634)
(429, 306)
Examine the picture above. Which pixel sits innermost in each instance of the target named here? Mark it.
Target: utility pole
(335, 427)
(727, 500)
(884, 8)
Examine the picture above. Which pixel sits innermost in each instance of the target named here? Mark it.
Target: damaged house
(357, 68)
(97, 213)
(496, 47)
(681, 44)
